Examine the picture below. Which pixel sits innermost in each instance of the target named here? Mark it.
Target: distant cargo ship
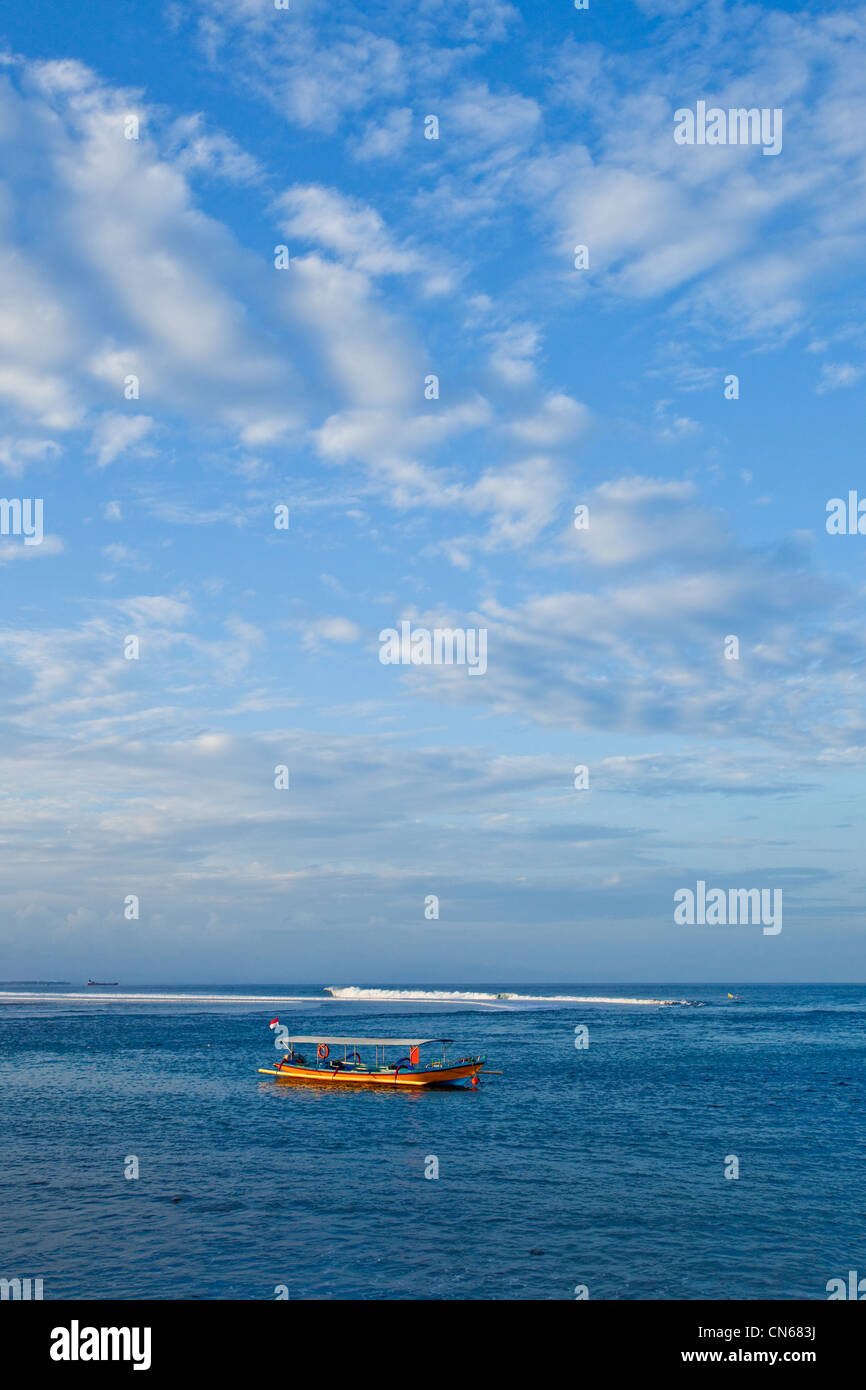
(102, 982)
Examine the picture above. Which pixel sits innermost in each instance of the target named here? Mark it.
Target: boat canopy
(366, 1042)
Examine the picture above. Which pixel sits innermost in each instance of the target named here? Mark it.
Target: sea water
(604, 1169)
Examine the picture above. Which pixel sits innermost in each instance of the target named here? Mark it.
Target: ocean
(582, 1171)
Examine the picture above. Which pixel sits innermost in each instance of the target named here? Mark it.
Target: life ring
(323, 1051)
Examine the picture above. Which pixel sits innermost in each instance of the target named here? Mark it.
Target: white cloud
(197, 150)
(354, 232)
(387, 139)
(11, 550)
(335, 629)
(559, 420)
(486, 119)
(835, 375)
(116, 434)
(522, 500)
(17, 455)
(513, 351)
(736, 237)
(124, 556)
(673, 428)
(309, 77)
(159, 610)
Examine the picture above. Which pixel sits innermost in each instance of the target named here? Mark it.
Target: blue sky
(154, 257)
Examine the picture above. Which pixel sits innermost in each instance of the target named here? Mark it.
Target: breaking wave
(435, 996)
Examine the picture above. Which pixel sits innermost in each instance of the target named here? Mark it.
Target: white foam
(432, 996)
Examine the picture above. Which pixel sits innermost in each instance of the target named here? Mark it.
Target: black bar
(267, 1337)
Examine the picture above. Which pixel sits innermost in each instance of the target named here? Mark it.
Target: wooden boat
(349, 1069)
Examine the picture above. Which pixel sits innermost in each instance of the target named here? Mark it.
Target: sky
(430, 386)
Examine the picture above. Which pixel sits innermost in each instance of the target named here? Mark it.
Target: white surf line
(353, 992)
(10, 998)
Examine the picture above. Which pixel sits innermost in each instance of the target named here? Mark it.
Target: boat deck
(351, 1070)
(342, 1075)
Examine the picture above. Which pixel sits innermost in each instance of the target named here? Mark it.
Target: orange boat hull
(439, 1076)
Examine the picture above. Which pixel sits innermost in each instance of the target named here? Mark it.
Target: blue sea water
(602, 1167)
